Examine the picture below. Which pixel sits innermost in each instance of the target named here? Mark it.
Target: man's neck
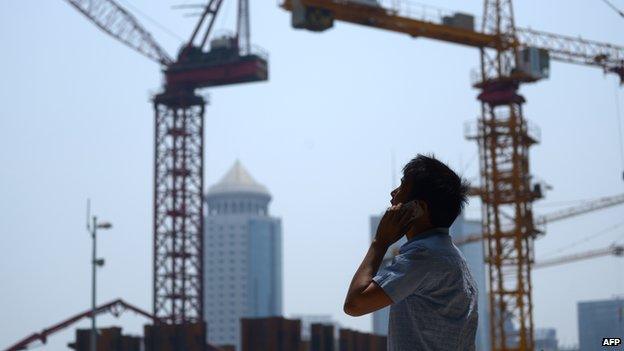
(417, 231)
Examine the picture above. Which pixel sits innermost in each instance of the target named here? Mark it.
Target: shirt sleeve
(407, 274)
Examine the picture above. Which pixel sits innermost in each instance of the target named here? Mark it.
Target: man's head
(441, 193)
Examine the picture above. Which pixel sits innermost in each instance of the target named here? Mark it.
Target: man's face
(400, 194)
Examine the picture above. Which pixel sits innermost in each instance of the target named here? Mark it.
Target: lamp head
(104, 225)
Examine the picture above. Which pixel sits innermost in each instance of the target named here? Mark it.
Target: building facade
(598, 320)
(243, 256)
(270, 334)
(352, 340)
(473, 252)
(308, 319)
(546, 339)
(381, 317)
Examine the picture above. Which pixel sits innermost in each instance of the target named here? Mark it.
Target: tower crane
(510, 56)
(611, 250)
(587, 207)
(178, 286)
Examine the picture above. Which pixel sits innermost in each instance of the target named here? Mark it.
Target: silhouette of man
(430, 290)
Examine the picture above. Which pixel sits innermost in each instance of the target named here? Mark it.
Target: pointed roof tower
(237, 180)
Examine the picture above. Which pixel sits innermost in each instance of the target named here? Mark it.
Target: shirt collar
(428, 233)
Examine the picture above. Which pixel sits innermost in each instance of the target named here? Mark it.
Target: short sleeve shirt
(433, 293)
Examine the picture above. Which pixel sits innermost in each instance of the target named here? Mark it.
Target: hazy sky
(76, 122)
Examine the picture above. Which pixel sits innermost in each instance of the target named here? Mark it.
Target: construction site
(312, 106)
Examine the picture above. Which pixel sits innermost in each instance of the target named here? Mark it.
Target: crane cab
(223, 64)
(533, 63)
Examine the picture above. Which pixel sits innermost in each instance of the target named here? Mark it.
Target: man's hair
(433, 182)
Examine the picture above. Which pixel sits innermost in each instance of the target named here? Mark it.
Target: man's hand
(364, 295)
(395, 223)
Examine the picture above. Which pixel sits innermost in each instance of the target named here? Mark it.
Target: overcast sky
(76, 122)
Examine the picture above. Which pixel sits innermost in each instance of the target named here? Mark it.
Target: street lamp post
(95, 262)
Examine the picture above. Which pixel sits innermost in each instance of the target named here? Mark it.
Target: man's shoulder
(438, 245)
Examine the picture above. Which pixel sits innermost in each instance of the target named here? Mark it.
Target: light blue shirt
(434, 297)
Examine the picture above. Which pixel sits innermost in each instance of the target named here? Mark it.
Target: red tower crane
(178, 286)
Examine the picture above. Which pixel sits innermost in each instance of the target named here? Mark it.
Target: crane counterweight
(224, 64)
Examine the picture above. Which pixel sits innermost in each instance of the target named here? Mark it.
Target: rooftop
(237, 180)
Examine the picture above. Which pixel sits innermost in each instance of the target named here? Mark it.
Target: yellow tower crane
(510, 56)
(541, 221)
(614, 249)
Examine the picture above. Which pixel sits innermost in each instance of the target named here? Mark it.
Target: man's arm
(364, 295)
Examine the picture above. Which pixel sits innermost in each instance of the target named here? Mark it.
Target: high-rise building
(598, 320)
(243, 256)
(546, 339)
(473, 252)
(381, 317)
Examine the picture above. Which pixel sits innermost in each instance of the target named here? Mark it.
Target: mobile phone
(417, 211)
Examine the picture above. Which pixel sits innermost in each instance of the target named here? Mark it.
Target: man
(432, 294)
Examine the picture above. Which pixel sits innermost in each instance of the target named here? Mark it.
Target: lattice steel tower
(504, 138)
(178, 207)
(179, 160)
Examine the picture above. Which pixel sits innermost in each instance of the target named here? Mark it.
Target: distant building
(473, 252)
(598, 320)
(381, 317)
(323, 338)
(108, 339)
(351, 340)
(243, 256)
(159, 337)
(169, 337)
(273, 333)
(308, 319)
(546, 339)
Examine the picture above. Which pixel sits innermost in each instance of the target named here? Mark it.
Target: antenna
(88, 214)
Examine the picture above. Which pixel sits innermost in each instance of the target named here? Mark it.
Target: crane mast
(504, 140)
